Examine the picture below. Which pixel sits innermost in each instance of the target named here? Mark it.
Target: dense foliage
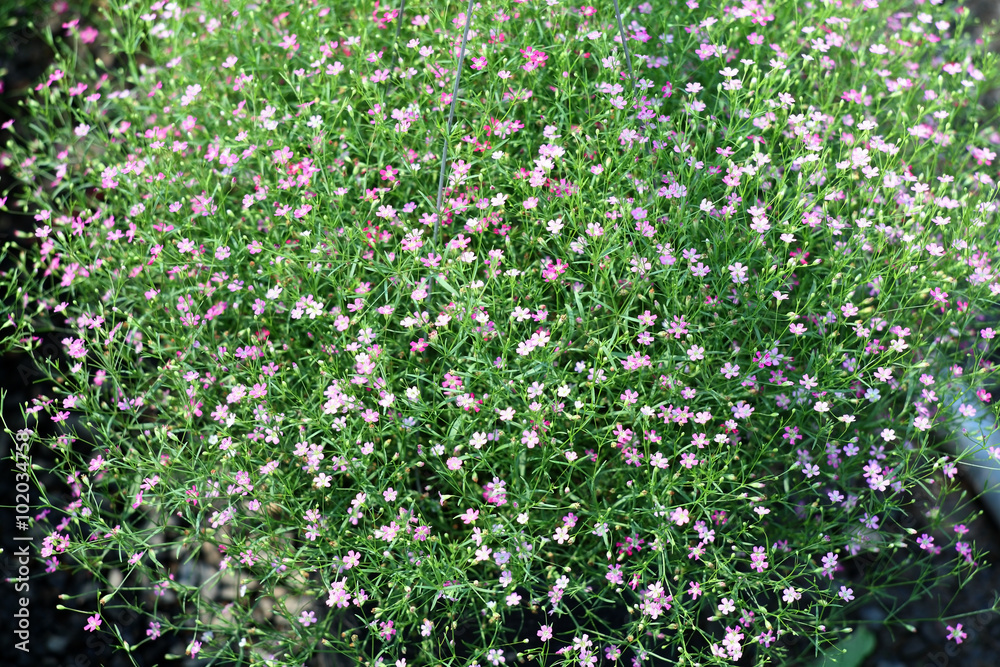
(635, 377)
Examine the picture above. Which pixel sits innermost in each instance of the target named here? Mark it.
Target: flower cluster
(378, 331)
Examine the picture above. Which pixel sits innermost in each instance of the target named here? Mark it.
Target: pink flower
(535, 59)
(282, 156)
(545, 632)
(739, 273)
(88, 35)
(351, 559)
(94, 622)
(680, 516)
(957, 634)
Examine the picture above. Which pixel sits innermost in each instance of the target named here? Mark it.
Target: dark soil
(928, 645)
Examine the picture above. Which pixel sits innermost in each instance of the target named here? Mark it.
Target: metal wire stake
(628, 57)
(451, 117)
(395, 42)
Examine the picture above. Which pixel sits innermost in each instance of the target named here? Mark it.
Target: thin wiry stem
(451, 117)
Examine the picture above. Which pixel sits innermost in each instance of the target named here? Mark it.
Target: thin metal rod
(621, 31)
(395, 42)
(451, 117)
(628, 56)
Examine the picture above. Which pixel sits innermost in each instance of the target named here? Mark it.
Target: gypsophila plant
(647, 374)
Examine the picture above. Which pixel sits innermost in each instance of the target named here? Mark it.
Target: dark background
(57, 636)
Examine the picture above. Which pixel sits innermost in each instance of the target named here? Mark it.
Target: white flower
(898, 345)
(790, 595)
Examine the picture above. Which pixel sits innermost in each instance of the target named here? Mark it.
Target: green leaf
(439, 280)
